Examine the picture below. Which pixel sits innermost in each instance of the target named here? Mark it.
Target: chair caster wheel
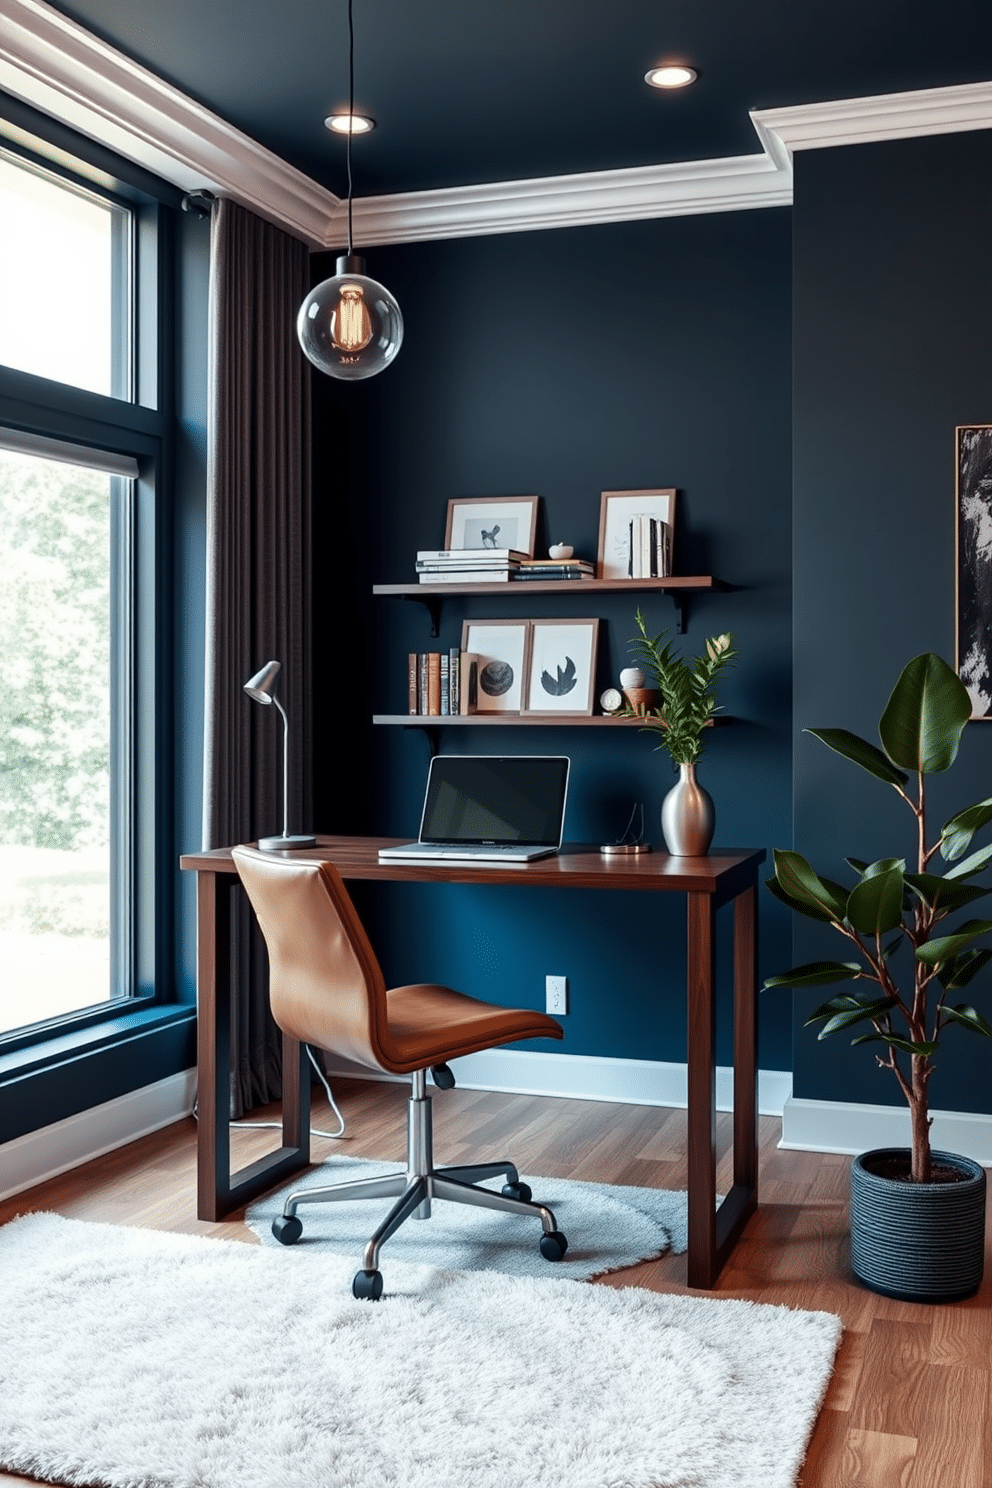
(519, 1191)
(287, 1229)
(553, 1245)
(367, 1285)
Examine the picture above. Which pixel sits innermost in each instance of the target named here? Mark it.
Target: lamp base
(284, 844)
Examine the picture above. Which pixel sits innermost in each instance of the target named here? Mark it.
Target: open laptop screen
(507, 798)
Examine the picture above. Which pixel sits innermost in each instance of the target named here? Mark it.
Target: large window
(65, 768)
(65, 280)
(77, 644)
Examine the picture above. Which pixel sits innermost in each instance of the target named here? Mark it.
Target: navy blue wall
(562, 364)
(893, 328)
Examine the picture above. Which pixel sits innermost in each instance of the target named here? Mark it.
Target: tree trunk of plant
(920, 1118)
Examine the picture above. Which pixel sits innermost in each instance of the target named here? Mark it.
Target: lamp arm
(285, 767)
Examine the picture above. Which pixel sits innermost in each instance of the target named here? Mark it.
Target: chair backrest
(325, 983)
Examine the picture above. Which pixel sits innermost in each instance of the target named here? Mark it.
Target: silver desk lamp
(262, 687)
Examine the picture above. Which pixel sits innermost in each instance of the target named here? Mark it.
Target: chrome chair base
(414, 1191)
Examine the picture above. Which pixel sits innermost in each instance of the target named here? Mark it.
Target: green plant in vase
(688, 704)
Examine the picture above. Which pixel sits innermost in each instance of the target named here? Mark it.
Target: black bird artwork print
(489, 538)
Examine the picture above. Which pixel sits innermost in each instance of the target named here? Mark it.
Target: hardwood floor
(909, 1402)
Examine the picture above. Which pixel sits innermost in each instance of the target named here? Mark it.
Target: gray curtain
(258, 584)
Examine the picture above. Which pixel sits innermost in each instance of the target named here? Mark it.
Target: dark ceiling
(466, 91)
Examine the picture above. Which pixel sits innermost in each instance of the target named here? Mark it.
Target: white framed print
(502, 647)
(561, 674)
(492, 522)
(636, 530)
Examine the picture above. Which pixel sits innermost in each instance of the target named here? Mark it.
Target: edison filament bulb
(350, 326)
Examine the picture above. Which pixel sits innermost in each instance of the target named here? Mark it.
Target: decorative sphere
(350, 326)
(560, 550)
(631, 677)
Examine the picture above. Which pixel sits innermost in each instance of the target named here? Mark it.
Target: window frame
(140, 427)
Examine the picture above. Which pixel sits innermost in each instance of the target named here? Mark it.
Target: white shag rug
(608, 1226)
(134, 1359)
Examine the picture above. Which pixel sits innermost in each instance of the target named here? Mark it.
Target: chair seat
(429, 1024)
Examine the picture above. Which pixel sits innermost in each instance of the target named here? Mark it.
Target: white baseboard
(55, 1149)
(848, 1128)
(637, 1082)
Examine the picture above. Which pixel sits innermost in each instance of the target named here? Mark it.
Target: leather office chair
(326, 988)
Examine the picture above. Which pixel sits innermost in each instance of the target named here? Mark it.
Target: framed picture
(502, 648)
(562, 671)
(492, 522)
(636, 531)
(973, 627)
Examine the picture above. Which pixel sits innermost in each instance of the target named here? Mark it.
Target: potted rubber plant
(688, 703)
(917, 1215)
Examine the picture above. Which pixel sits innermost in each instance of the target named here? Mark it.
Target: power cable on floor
(277, 1125)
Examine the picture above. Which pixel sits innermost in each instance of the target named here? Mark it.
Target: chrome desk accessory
(631, 842)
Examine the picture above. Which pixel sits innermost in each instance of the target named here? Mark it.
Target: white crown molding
(885, 116)
(54, 64)
(738, 183)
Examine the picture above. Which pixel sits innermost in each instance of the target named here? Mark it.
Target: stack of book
(441, 684)
(467, 565)
(555, 568)
(650, 549)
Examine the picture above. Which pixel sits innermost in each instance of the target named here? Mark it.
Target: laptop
(489, 809)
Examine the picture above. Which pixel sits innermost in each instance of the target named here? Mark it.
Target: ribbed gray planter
(919, 1242)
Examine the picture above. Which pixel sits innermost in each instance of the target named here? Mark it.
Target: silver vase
(687, 816)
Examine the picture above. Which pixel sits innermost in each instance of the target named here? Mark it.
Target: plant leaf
(874, 906)
(973, 864)
(933, 952)
(816, 973)
(925, 716)
(868, 756)
(813, 912)
(897, 1043)
(840, 1021)
(957, 971)
(800, 882)
(956, 834)
(969, 1018)
(943, 895)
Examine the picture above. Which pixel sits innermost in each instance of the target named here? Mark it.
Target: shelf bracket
(681, 601)
(433, 605)
(431, 733)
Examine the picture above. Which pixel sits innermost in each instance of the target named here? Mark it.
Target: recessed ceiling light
(671, 75)
(349, 123)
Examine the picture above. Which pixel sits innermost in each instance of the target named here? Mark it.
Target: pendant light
(350, 326)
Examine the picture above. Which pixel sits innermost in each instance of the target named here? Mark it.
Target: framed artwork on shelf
(492, 522)
(636, 532)
(973, 619)
(562, 670)
(502, 648)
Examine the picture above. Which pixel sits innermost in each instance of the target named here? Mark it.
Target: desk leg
(213, 1044)
(701, 1054)
(714, 1233)
(746, 1041)
(218, 1191)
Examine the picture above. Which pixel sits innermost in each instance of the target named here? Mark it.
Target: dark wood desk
(722, 878)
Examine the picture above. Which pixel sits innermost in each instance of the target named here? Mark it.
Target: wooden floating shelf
(678, 586)
(692, 585)
(504, 720)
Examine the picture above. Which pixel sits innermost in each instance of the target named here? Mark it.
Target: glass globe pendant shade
(350, 326)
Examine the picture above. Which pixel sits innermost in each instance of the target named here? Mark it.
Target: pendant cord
(351, 111)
